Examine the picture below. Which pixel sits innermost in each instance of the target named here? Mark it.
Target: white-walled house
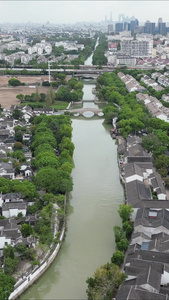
(9, 233)
(7, 170)
(10, 209)
(3, 242)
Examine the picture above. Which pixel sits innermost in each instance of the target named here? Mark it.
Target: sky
(66, 12)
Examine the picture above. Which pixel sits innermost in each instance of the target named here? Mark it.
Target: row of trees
(133, 117)
(52, 160)
(107, 279)
(53, 172)
(98, 57)
(89, 44)
(51, 136)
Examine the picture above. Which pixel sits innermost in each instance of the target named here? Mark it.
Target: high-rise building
(118, 27)
(111, 17)
(149, 27)
(125, 26)
(121, 18)
(160, 20)
(133, 24)
(162, 28)
(110, 28)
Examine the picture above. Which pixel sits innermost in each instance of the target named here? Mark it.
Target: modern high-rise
(111, 17)
(162, 28)
(149, 27)
(133, 24)
(110, 28)
(118, 27)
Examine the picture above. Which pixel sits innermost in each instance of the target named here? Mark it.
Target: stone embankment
(30, 278)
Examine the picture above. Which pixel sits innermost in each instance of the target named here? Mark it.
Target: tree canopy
(7, 283)
(105, 282)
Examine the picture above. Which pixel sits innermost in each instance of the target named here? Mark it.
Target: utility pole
(49, 70)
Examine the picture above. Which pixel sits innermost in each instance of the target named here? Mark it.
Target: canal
(94, 201)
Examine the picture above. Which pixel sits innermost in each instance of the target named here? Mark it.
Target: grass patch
(76, 106)
(59, 105)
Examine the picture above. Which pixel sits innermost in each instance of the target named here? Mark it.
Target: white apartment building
(125, 60)
(39, 50)
(48, 48)
(32, 50)
(137, 48)
(125, 33)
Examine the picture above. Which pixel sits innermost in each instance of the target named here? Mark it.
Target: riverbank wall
(28, 280)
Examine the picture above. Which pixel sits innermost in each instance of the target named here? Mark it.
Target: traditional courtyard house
(151, 221)
(7, 170)
(9, 233)
(25, 170)
(138, 171)
(158, 186)
(136, 191)
(12, 209)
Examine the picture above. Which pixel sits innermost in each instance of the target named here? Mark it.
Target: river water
(92, 214)
(94, 202)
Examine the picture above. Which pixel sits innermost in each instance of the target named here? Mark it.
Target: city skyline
(67, 12)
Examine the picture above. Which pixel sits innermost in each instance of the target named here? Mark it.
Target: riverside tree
(7, 283)
(125, 212)
(105, 282)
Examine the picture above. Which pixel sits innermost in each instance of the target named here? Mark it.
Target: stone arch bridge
(82, 111)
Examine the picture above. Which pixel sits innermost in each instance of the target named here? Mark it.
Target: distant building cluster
(132, 44)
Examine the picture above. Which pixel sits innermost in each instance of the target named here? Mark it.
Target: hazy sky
(74, 11)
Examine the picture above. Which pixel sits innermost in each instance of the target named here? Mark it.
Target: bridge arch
(86, 112)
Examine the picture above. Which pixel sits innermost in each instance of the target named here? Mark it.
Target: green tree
(5, 185)
(125, 212)
(20, 97)
(36, 97)
(53, 181)
(43, 139)
(65, 130)
(119, 233)
(27, 188)
(18, 145)
(17, 114)
(43, 148)
(46, 159)
(128, 228)
(14, 82)
(46, 179)
(26, 230)
(18, 136)
(10, 265)
(166, 182)
(7, 283)
(8, 251)
(122, 245)
(117, 258)
(105, 282)
(50, 97)
(67, 144)
(162, 161)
